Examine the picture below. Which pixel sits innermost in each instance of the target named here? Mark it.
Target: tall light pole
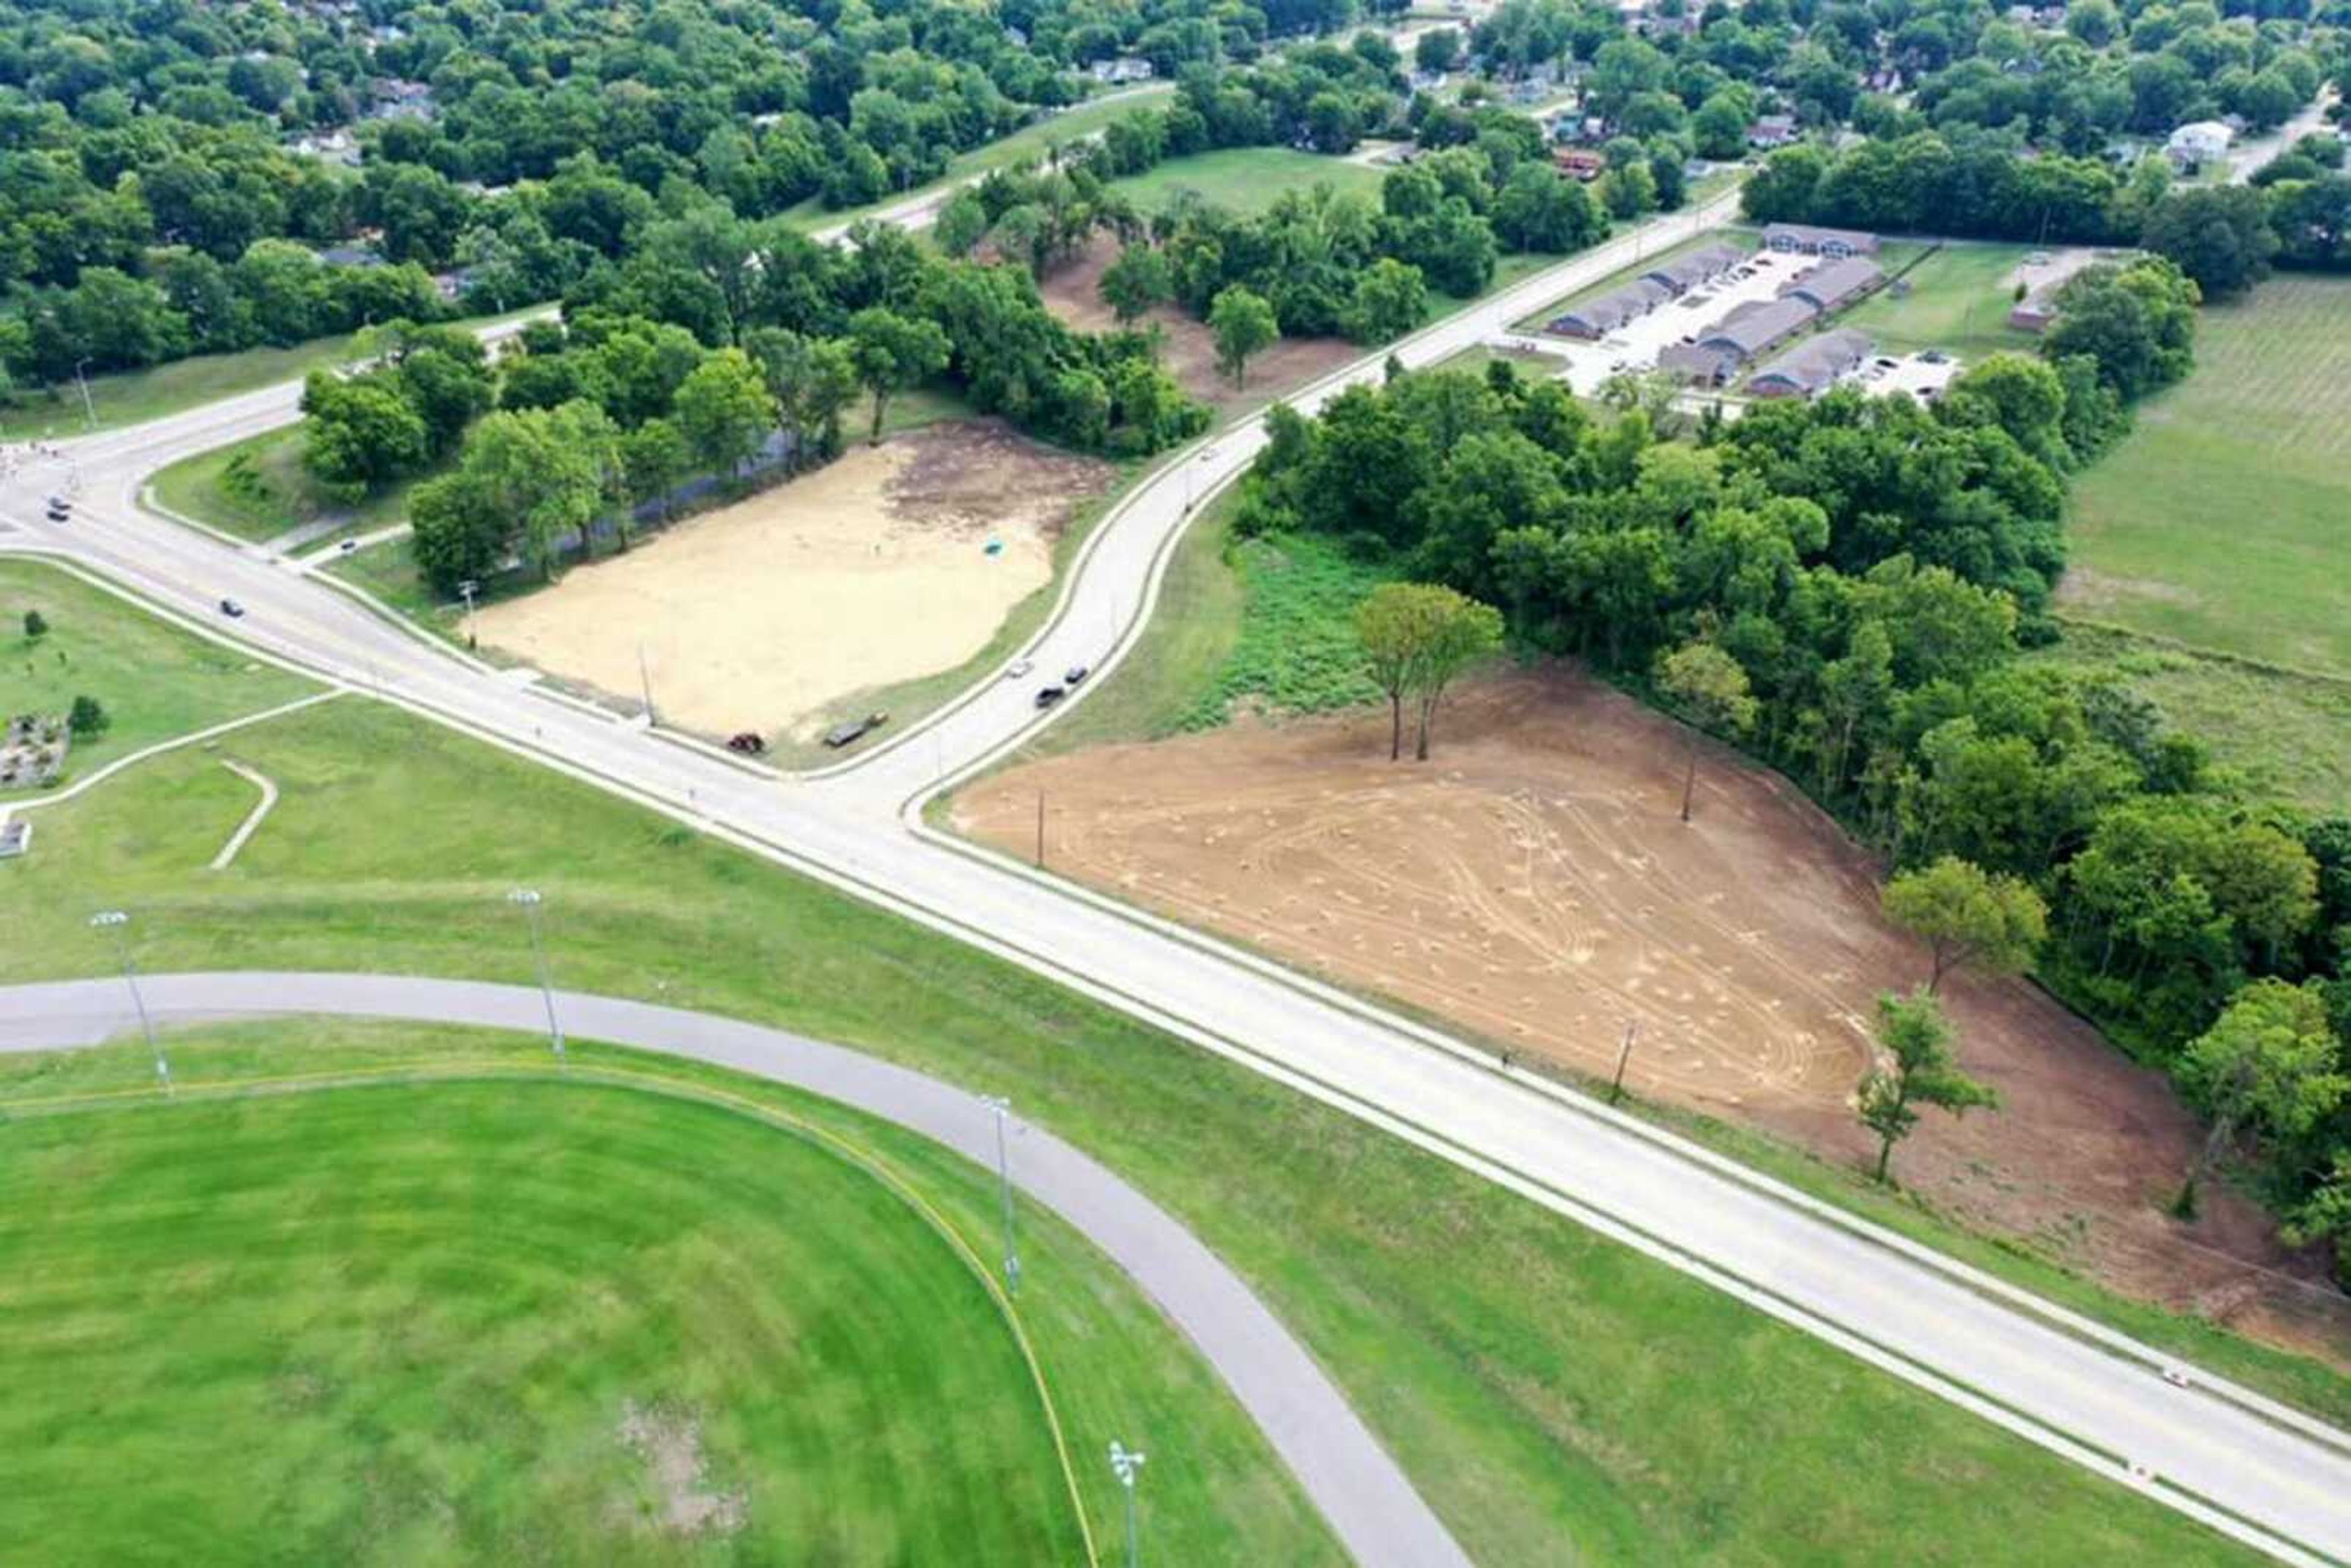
(527, 897)
(1124, 1461)
(1003, 1109)
(645, 680)
(89, 411)
(116, 921)
(469, 588)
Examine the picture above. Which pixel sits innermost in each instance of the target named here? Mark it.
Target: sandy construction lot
(871, 570)
(1533, 885)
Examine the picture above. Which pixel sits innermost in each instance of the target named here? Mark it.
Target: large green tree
(1243, 324)
(723, 410)
(1417, 637)
(2270, 1065)
(1966, 915)
(1710, 688)
(1920, 1069)
(892, 352)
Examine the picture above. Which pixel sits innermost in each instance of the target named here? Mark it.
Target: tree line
(1844, 588)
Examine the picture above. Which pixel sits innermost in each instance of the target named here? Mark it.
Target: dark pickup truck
(856, 729)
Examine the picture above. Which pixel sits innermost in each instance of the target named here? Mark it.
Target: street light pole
(88, 411)
(527, 897)
(645, 679)
(1124, 1461)
(469, 588)
(118, 921)
(1003, 1108)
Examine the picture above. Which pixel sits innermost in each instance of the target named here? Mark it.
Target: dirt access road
(1533, 883)
(873, 568)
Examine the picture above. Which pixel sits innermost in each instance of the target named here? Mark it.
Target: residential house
(1579, 163)
(1121, 68)
(1774, 131)
(328, 147)
(1833, 285)
(349, 255)
(1812, 366)
(1804, 239)
(1597, 317)
(2034, 312)
(2196, 143)
(1684, 272)
(1750, 331)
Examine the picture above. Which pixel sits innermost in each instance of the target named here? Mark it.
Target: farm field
(2289, 733)
(2219, 520)
(491, 1319)
(1544, 1386)
(1243, 179)
(890, 563)
(1958, 302)
(154, 680)
(257, 490)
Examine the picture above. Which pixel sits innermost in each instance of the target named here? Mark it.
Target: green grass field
(1956, 302)
(2288, 733)
(1552, 1392)
(419, 1317)
(1243, 179)
(154, 680)
(2220, 520)
(257, 490)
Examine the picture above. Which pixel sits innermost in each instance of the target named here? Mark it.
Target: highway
(1370, 1504)
(2262, 1474)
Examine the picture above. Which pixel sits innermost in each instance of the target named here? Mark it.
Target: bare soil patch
(670, 1444)
(1532, 884)
(875, 568)
(1073, 293)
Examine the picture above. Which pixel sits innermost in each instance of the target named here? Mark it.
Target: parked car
(232, 609)
(1017, 668)
(59, 504)
(1048, 695)
(58, 514)
(1073, 674)
(1933, 357)
(750, 742)
(1884, 364)
(841, 735)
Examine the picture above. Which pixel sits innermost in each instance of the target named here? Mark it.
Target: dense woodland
(1868, 571)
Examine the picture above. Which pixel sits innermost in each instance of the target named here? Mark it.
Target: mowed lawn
(2224, 519)
(496, 1322)
(257, 490)
(154, 680)
(1244, 179)
(1555, 1395)
(1958, 301)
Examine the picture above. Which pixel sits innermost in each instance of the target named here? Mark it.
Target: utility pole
(89, 411)
(1002, 1107)
(645, 679)
(527, 897)
(1041, 829)
(469, 588)
(1623, 1055)
(1125, 1462)
(118, 921)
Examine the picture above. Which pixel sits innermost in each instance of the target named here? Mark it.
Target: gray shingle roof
(1757, 325)
(1833, 283)
(1817, 361)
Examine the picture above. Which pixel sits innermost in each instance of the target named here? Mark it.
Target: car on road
(1074, 673)
(232, 609)
(59, 515)
(841, 735)
(1048, 695)
(348, 546)
(1017, 668)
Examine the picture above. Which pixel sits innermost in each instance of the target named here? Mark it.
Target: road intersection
(2266, 1475)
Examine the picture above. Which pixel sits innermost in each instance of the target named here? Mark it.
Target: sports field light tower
(1003, 1109)
(528, 899)
(118, 921)
(1125, 1462)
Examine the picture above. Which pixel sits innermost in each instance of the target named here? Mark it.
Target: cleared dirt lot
(1533, 885)
(871, 570)
(1073, 293)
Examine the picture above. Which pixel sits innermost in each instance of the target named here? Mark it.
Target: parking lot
(1922, 378)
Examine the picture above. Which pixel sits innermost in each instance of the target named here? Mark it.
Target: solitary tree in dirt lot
(1916, 1036)
(1135, 282)
(1967, 917)
(1710, 688)
(894, 352)
(1243, 324)
(1417, 637)
(2268, 1065)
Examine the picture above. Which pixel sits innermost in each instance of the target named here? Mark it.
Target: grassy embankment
(153, 680)
(439, 1280)
(1553, 1393)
